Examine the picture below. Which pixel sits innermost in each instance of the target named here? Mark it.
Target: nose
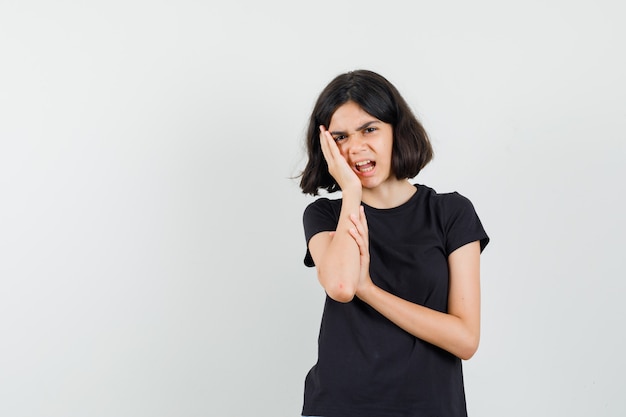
(358, 143)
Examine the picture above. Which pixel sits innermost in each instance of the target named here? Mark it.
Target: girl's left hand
(360, 234)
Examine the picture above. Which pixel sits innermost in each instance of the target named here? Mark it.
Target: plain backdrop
(151, 243)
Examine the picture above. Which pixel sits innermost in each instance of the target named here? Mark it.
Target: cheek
(343, 150)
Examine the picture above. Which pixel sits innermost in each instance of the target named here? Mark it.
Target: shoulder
(459, 221)
(454, 202)
(321, 214)
(457, 218)
(322, 205)
(448, 202)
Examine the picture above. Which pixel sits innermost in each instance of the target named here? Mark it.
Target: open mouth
(365, 166)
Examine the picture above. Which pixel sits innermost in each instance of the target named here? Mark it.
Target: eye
(339, 138)
(370, 129)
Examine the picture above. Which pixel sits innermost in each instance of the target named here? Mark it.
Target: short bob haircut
(411, 149)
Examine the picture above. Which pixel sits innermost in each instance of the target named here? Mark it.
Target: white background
(151, 242)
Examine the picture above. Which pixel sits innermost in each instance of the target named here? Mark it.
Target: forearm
(447, 331)
(338, 267)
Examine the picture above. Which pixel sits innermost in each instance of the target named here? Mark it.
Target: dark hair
(411, 149)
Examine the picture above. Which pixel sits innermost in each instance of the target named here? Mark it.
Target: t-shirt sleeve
(319, 216)
(463, 225)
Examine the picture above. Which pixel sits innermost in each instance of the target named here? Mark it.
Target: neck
(389, 195)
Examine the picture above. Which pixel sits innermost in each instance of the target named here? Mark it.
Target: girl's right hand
(337, 165)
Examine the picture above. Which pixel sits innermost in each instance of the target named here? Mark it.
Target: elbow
(340, 290)
(467, 351)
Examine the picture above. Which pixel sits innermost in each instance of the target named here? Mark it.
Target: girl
(398, 261)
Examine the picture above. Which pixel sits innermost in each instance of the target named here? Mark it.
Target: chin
(370, 183)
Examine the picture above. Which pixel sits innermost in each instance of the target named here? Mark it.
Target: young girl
(398, 261)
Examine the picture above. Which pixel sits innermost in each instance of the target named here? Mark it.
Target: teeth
(363, 166)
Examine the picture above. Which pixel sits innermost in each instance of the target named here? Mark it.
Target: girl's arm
(336, 255)
(457, 331)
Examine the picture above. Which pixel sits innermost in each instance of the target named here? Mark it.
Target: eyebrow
(363, 126)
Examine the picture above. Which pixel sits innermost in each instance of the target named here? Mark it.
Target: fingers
(329, 146)
(357, 223)
(364, 225)
(323, 143)
(363, 219)
(360, 222)
(358, 239)
(360, 230)
(326, 142)
(337, 165)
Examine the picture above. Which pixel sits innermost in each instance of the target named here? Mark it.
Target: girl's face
(365, 143)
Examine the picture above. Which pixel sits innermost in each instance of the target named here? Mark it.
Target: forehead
(349, 115)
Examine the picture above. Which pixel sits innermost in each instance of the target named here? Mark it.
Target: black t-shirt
(367, 366)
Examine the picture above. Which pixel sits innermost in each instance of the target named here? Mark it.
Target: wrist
(365, 290)
(352, 194)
